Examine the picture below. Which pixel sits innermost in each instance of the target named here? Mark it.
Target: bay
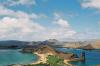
(92, 57)
(9, 56)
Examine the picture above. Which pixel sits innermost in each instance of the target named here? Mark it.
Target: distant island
(13, 44)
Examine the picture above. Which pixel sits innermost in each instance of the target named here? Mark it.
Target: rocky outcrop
(92, 45)
(27, 50)
(88, 47)
(45, 49)
(96, 44)
(65, 55)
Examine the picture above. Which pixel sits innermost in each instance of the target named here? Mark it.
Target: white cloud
(57, 15)
(17, 2)
(85, 35)
(62, 23)
(26, 2)
(18, 14)
(91, 4)
(26, 29)
(63, 29)
(18, 27)
(25, 25)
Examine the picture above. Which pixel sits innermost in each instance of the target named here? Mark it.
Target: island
(49, 56)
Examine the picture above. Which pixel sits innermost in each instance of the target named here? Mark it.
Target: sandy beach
(43, 59)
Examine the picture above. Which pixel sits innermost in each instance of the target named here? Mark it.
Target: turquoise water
(15, 57)
(92, 57)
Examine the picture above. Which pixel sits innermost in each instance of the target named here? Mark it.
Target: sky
(35, 20)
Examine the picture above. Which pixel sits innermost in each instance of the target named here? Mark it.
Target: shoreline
(43, 58)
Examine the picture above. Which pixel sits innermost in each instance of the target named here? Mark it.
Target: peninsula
(46, 54)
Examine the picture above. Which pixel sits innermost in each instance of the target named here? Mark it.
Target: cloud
(85, 35)
(25, 24)
(32, 2)
(63, 29)
(18, 14)
(62, 23)
(18, 27)
(17, 2)
(91, 4)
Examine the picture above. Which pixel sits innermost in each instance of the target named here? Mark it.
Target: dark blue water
(92, 57)
(15, 57)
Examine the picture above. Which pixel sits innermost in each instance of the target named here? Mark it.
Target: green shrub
(55, 61)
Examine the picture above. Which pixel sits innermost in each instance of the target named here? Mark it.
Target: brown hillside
(96, 44)
(88, 47)
(48, 49)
